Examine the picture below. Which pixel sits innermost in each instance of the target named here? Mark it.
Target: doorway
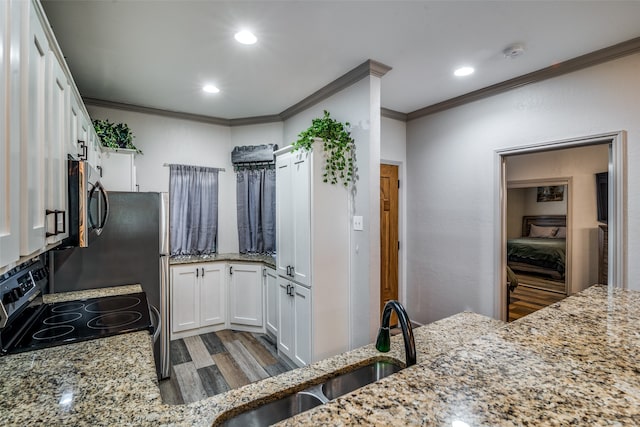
(615, 147)
(389, 236)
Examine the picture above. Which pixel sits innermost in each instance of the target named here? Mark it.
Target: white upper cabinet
(33, 56)
(119, 170)
(293, 216)
(57, 145)
(9, 136)
(41, 120)
(74, 141)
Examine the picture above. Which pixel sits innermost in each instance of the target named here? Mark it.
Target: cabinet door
(74, 146)
(56, 143)
(245, 290)
(301, 217)
(285, 318)
(284, 205)
(185, 298)
(302, 325)
(33, 90)
(9, 138)
(271, 287)
(83, 135)
(212, 293)
(118, 171)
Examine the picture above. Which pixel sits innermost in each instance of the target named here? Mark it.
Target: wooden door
(388, 235)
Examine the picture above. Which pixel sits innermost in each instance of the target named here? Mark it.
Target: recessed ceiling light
(245, 37)
(463, 71)
(210, 89)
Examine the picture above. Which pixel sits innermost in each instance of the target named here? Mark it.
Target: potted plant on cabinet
(339, 148)
(116, 136)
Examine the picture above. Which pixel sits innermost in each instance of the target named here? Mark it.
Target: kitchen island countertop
(574, 362)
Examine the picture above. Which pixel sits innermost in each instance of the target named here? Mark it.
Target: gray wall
(451, 171)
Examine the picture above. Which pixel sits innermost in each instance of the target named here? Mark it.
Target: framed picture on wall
(551, 193)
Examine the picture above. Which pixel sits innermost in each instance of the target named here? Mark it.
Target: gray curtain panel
(256, 199)
(193, 209)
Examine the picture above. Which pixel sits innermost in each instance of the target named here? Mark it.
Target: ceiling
(159, 54)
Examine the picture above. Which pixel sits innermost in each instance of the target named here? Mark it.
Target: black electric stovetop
(82, 320)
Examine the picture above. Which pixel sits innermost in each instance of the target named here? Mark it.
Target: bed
(542, 247)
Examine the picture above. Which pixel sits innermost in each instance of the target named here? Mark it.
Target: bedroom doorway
(538, 257)
(582, 240)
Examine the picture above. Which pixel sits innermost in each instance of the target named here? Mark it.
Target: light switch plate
(357, 223)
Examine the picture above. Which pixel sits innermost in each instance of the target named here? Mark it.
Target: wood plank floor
(541, 282)
(526, 300)
(208, 364)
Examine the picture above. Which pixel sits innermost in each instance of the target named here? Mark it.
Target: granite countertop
(575, 362)
(268, 260)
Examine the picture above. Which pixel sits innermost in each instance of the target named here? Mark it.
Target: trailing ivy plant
(115, 135)
(339, 148)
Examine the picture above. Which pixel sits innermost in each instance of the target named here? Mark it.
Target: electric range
(30, 324)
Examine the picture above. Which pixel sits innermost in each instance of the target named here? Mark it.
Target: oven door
(97, 205)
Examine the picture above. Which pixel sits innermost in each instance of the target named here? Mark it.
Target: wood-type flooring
(208, 364)
(526, 300)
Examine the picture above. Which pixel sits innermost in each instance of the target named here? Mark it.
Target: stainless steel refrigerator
(133, 248)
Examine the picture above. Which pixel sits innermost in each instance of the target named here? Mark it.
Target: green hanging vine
(339, 148)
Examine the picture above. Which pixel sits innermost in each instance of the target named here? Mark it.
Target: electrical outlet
(357, 223)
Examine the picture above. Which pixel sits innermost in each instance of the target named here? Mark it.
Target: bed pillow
(543, 232)
(561, 233)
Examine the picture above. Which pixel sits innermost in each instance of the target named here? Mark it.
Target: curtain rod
(169, 164)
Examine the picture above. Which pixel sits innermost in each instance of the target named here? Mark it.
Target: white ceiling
(159, 53)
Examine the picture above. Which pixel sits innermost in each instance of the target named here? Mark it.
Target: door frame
(617, 275)
(402, 237)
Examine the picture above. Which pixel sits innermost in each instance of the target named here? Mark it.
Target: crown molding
(156, 111)
(367, 68)
(392, 114)
(597, 57)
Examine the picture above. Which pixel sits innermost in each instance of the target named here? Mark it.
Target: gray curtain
(256, 199)
(193, 209)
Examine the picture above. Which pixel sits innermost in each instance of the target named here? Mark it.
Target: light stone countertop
(268, 260)
(574, 362)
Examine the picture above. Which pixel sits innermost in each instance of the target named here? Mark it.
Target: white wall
(359, 105)
(515, 211)
(172, 140)
(451, 174)
(393, 151)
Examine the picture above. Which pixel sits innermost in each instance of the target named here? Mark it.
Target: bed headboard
(542, 221)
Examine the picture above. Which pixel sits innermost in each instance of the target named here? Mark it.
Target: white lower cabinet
(271, 301)
(198, 298)
(211, 296)
(294, 321)
(245, 295)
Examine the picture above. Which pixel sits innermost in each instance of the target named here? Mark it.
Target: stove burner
(53, 332)
(59, 319)
(113, 320)
(112, 304)
(65, 308)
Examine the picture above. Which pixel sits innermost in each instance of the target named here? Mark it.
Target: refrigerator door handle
(158, 323)
(165, 361)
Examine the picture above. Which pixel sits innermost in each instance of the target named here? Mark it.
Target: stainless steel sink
(288, 406)
(271, 413)
(350, 381)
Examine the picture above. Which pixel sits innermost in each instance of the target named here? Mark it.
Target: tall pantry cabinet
(312, 258)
